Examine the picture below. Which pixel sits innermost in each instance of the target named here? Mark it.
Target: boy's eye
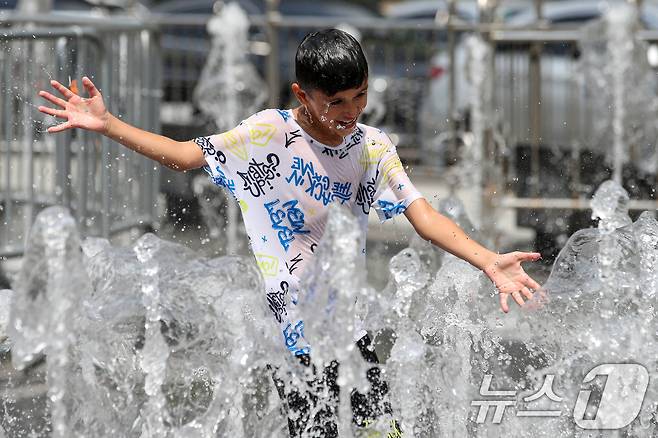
(334, 102)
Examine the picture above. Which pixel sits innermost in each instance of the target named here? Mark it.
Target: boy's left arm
(504, 270)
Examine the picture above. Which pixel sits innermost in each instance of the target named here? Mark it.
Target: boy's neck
(313, 128)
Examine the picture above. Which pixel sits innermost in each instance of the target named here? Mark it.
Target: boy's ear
(300, 94)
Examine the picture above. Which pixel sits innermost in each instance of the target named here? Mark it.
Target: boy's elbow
(191, 165)
(187, 162)
(173, 165)
(191, 157)
(182, 165)
(178, 167)
(423, 233)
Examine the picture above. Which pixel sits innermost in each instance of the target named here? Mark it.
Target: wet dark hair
(330, 61)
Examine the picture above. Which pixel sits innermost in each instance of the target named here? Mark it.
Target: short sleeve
(224, 154)
(394, 190)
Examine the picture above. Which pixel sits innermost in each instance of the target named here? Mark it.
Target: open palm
(86, 113)
(510, 279)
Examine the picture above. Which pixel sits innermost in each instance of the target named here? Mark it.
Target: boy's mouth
(346, 124)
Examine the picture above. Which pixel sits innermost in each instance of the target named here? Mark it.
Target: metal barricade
(546, 116)
(107, 187)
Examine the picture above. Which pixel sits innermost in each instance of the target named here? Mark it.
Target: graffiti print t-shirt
(284, 180)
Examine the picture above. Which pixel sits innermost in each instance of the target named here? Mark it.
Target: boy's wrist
(108, 124)
(487, 260)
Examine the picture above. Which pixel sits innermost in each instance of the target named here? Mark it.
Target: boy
(284, 167)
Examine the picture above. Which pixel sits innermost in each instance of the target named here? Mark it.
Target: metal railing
(107, 187)
(547, 118)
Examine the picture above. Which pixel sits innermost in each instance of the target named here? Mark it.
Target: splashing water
(51, 282)
(6, 296)
(158, 341)
(473, 162)
(218, 210)
(601, 302)
(597, 307)
(624, 115)
(229, 88)
(153, 357)
(153, 342)
(610, 206)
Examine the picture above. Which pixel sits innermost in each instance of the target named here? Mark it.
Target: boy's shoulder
(267, 127)
(375, 138)
(271, 116)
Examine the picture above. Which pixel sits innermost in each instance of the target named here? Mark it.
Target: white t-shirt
(283, 180)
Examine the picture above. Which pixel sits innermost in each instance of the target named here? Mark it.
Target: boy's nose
(352, 113)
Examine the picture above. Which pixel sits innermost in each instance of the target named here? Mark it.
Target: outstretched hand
(87, 113)
(509, 277)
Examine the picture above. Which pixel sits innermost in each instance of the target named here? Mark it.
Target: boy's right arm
(91, 114)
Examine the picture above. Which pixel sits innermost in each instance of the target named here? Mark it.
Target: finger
(62, 89)
(90, 87)
(518, 298)
(508, 287)
(53, 112)
(503, 302)
(527, 293)
(52, 98)
(528, 256)
(61, 127)
(531, 283)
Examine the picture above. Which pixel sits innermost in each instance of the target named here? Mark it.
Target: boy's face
(337, 114)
